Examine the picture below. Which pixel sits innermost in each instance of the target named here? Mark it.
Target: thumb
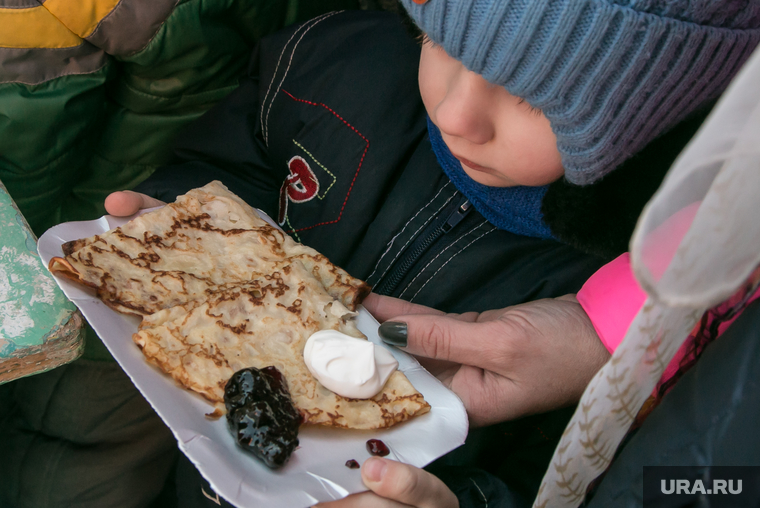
(442, 337)
(126, 203)
(406, 484)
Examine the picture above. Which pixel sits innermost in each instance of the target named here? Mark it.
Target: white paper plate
(316, 471)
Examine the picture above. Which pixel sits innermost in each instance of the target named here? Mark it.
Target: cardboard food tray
(316, 471)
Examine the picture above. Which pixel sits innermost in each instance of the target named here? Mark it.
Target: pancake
(219, 290)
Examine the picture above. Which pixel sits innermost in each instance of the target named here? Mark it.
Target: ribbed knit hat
(610, 75)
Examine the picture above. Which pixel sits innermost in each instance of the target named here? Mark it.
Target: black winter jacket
(333, 107)
(339, 94)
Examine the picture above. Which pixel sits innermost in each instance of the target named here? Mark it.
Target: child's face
(500, 140)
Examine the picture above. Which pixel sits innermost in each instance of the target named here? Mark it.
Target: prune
(261, 414)
(377, 447)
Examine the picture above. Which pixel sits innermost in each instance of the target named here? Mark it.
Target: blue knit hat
(610, 75)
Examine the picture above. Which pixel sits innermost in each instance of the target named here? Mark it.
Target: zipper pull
(456, 217)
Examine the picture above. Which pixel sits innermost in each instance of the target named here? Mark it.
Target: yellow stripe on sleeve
(81, 16)
(34, 27)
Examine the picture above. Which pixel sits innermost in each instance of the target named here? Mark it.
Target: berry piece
(261, 414)
(352, 464)
(377, 447)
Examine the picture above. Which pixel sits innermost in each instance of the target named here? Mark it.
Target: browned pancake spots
(227, 295)
(310, 416)
(392, 417)
(70, 247)
(192, 222)
(239, 329)
(255, 296)
(279, 288)
(295, 307)
(144, 259)
(159, 275)
(270, 235)
(118, 252)
(383, 399)
(255, 293)
(200, 223)
(151, 239)
(121, 306)
(334, 417)
(87, 259)
(311, 323)
(105, 285)
(226, 232)
(201, 353)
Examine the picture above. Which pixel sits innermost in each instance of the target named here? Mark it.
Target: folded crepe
(219, 289)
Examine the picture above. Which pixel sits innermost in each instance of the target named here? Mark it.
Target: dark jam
(377, 447)
(352, 464)
(261, 414)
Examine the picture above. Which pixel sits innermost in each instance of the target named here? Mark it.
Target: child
(465, 208)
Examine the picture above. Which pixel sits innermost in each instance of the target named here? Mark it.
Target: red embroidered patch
(302, 182)
(300, 185)
(283, 213)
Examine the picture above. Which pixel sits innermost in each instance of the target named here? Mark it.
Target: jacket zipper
(432, 233)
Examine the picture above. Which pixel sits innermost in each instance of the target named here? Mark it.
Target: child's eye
(427, 40)
(533, 110)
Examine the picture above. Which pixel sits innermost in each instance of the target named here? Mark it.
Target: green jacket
(93, 91)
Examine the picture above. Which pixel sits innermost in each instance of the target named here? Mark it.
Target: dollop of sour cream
(351, 367)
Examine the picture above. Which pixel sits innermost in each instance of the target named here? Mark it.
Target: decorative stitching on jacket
(295, 235)
(485, 500)
(208, 496)
(359, 167)
(447, 261)
(415, 234)
(335, 178)
(314, 22)
(452, 244)
(390, 243)
(269, 88)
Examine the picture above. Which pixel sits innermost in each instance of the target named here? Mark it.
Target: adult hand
(126, 203)
(504, 363)
(393, 485)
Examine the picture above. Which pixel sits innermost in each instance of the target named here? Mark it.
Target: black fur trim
(599, 218)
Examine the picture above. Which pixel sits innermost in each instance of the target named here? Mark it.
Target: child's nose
(464, 110)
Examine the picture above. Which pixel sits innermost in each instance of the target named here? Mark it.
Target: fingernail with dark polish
(393, 333)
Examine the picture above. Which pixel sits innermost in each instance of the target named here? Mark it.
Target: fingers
(126, 203)
(445, 338)
(406, 484)
(385, 307)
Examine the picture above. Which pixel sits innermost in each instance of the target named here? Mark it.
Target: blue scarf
(513, 209)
